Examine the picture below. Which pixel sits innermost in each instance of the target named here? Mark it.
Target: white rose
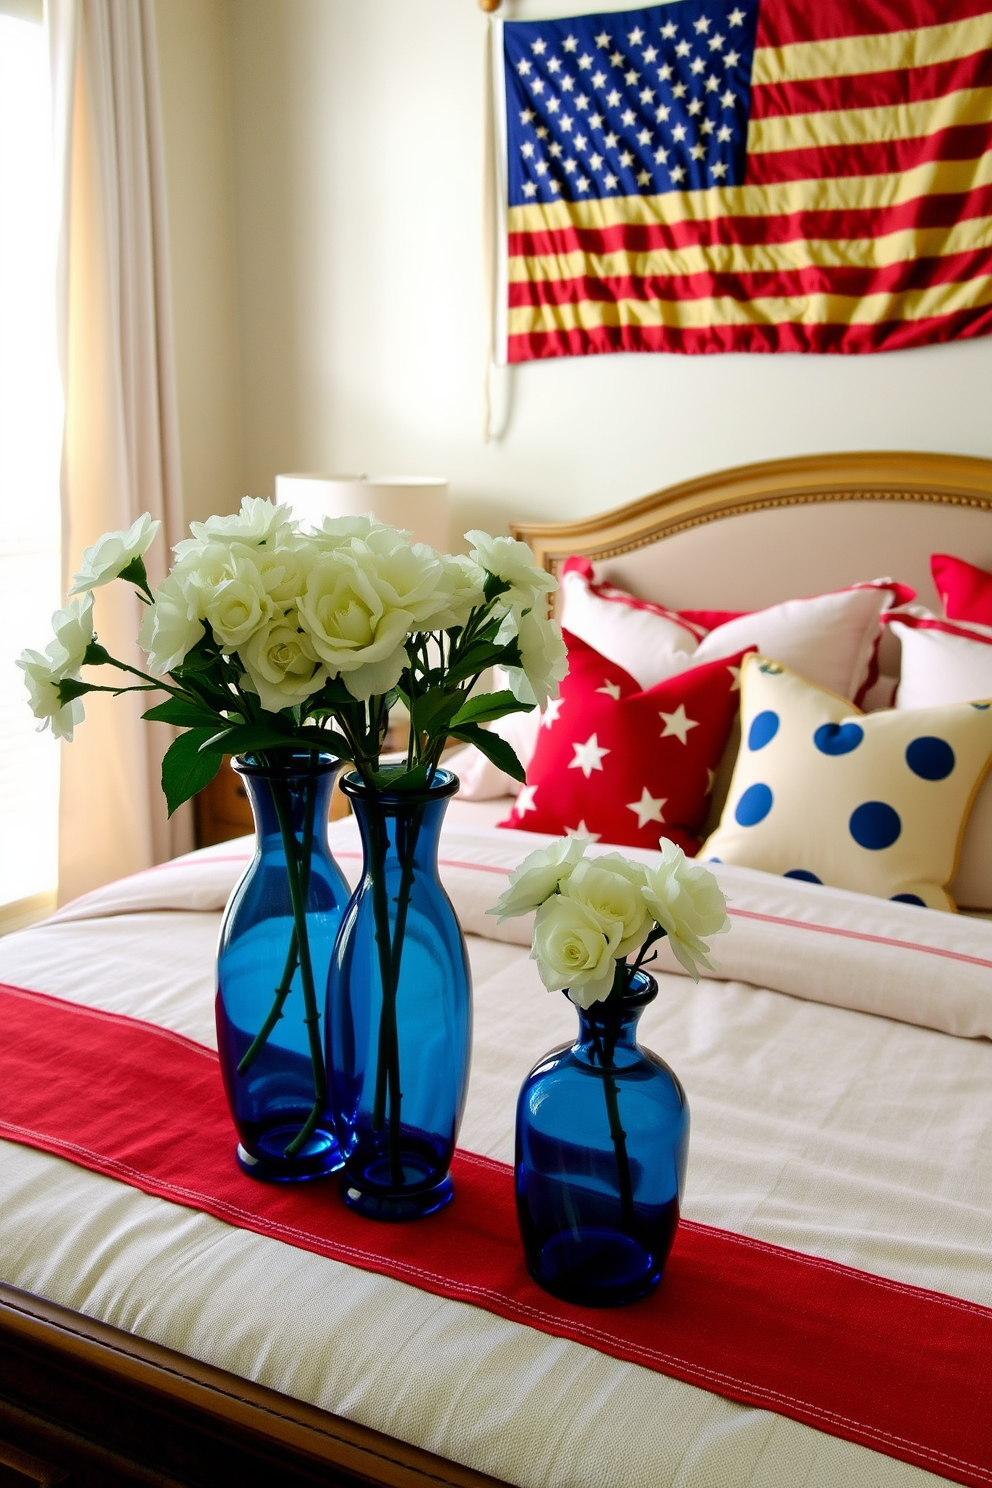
(170, 627)
(463, 587)
(540, 875)
(42, 675)
(237, 605)
(574, 949)
(281, 664)
(408, 576)
(282, 566)
(513, 562)
(338, 532)
(258, 521)
(543, 656)
(611, 889)
(687, 903)
(73, 626)
(352, 629)
(112, 553)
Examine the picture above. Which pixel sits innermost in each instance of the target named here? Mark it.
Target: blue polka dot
(762, 730)
(910, 899)
(838, 738)
(754, 805)
(874, 825)
(930, 758)
(804, 874)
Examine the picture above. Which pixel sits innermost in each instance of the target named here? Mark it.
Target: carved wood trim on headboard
(951, 480)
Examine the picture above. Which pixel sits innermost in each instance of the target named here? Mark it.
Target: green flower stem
(311, 1014)
(292, 955)
(604, 1051)
(388, 1082)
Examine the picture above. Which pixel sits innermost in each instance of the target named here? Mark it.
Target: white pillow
(829, 638)
(874, 802)
(947, 661)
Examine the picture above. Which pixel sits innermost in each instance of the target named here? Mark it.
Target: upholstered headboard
(758, 534)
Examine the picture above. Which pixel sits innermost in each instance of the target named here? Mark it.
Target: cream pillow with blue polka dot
(874, 802)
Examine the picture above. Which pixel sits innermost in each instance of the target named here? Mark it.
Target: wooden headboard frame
(948, 480)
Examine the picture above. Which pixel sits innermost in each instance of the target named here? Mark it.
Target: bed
(838, 1068)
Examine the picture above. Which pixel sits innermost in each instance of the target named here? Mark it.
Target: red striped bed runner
(901, 1370)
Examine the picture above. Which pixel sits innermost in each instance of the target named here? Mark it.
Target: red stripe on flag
(872, 89)
(896, 1368)
(927, 211)
(880, 158)
(781, 22)
(897, 278)
(832, 339)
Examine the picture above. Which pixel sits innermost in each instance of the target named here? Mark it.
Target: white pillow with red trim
(945, 661)
(624, 764)
(832, 639)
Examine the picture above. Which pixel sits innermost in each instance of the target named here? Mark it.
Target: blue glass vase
(275, 947)
(399, 1020)
(602, 1141)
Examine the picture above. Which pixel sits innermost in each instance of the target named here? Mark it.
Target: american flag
(749, 175)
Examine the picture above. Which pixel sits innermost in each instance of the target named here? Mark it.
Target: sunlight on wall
(30, 433)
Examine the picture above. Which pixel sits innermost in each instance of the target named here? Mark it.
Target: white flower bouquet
(266, 637)
(273, 642)
(592, 913)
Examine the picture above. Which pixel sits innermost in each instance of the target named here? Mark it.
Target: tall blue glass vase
(275, 948)
(601, 1147)
(399, 1010)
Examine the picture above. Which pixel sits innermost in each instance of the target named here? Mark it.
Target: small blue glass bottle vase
(399, 1020)
(601, 1148)
(275, 946)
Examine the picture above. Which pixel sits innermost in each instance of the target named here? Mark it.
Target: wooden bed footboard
(89, 1406)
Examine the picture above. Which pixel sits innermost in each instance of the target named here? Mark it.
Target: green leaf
(327, 740)
(71, 687)
(486, 706)
(182, 714)
(186, 769)
(494, 587)
(431, 712)
(415, 779)
(493, 747)
(243, 738)
(478, 657)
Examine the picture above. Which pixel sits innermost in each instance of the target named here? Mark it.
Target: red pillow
(624, 765)
(965, 591)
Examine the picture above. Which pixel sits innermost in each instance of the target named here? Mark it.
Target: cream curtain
(120, 453)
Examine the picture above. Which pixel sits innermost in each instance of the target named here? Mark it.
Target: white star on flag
(582, 831)
(735, 673)
(550, 714)
(648, 808)
(612, 689)
(677, 724)
(525, 799)
(588, 756)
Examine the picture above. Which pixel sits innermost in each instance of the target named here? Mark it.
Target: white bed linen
(854, 1136)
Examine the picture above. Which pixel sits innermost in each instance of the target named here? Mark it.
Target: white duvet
(840, 1079)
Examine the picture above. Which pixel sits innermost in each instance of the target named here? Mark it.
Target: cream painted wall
(194, 67)
(358, 188)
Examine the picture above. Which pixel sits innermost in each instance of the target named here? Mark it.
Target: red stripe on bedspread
(902, 1370)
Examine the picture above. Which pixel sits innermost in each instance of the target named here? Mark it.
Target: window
(30, 443)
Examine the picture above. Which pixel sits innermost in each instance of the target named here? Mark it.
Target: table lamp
(417, 503)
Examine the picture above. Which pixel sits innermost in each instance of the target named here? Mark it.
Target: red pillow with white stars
(623, 764)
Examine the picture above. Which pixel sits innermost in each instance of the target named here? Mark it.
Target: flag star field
(748, 175)
(633, 102)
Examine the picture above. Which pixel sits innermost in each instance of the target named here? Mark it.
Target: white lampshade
(418, 503)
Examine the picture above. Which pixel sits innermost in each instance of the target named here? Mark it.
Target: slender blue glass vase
(275, 947)
(602, 1141)
(399, 1019)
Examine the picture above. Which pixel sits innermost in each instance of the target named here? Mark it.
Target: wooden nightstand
(222, 811)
